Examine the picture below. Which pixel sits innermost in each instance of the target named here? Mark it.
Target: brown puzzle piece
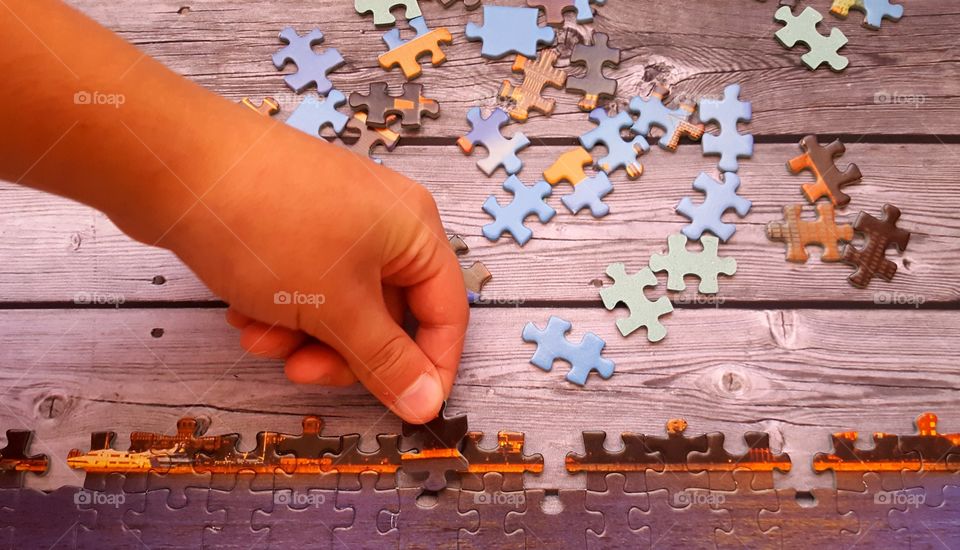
(799, 233)
(820, 160)
(475, 276)
(409, 106)
(593, 85)
(553, 9)
(537, 75)
(880, 234)
(360, 139)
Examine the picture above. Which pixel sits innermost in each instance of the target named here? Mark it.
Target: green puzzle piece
(381, 10)
(680, 262)
(803, 28)
(628, 290)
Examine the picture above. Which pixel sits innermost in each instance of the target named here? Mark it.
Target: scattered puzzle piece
(509, 219)
(486, 132)
(584, 11)
(880, 234)
(509, 30)
(313, 114)
(362, 140)
(569, 167)
(409, 106)
(536, 76)
(593, 85)
(675, 123)
(798, 233)
(469, 4)
(312, 67)
(730, 144)
(620, 152)
(475, 276)
(708, 215)
(268, 107)
(628, 290)
(552, 344)
(820, 161)
(381, 10)
(587, 192)
(680, 262)
(406, 54)
(874, 11)
(553, 10)
(803, 28)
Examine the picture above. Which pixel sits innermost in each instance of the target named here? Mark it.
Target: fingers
(236, 319)
(274, 342)
(318, 363)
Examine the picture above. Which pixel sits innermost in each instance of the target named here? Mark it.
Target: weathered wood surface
(54, 250)
(798, 374)
(226, 46)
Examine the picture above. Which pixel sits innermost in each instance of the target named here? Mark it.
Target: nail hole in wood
(184, 10)
(157, 333)
(159, 280)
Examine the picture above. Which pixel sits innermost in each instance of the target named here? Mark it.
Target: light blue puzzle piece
(509, 30)
(552, 344)
(876, 10)
(651, 112)
(509, 219)
(730, 144)
(720, 197)
(313, 114)
(312, 67)
(392, 37)
(589, 193)
(620, 152)
(584, 11)
(486, 133)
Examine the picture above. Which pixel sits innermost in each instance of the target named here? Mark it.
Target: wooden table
(793, 350)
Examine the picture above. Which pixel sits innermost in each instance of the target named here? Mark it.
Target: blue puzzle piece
(486, 133)
(312, 67)
(730, 144)
(552, 344)
(584, 12)
(620, 152)
(589, 193)
(720, 197)
(652, 111)
(313, 114)
(509, 30)
(392, 37)
(509, 219)
(874, 11)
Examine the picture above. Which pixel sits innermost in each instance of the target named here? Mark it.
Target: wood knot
(157, 333)
(51, 407)
(76, 239)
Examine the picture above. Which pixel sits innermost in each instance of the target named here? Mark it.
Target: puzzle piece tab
(653, 112)
(798, 233)
(409, 106)
(486, 132)
(314, 113)
(706, 265)
(593, 85)
(509, 219)
(509, 30)
(879, 235)
(628, 290)
(437, 450)
(406, 54)
(708, 215)
(803, 28)
(312, 67)
(381, 10)
(620, 152)
(552, 344)
(730, 144)
(874, 11)
(537, 75)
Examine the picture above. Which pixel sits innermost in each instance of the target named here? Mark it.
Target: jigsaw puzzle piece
(871, 261)
(743, 503)
(110, 506)
(629, 290)
(362, 140)
(803, 28)
(798, 233)
(939, 457)
(662, 519)
(594, 85)
(295, 509)
(369, 505)
(509, 219)
(829, 179)
(492, 504)
(615, 503)
(722, 467)
(407, 54)
(160, 526)
(730, 144)
(680, 262)
(795, 516)
(720, 197)
(566, 529)
(620, 152)
(553, 10)
(587, 192)
(382, 10)
(849, 463)
(433, 525)
(873, 507)
(312, 67)
(475, 276)
(874, 11)
(508, 30)
(584, 11)
(486, 133)
(351, 462)
(381, 106)
(506, 460)
(44, 520)
(653, 112)
(437, 450)
(929, 527)
(552, 344)
(538, 74)
(15, 462)
(239, 498)
(268, 106)
(633, 461)
(313, 114)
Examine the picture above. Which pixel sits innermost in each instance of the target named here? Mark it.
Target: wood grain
(226, 47)
(798, 374)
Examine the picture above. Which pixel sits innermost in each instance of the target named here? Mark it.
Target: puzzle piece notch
(615, 503)
(538, 75)
(829, 179)
(312, 67)
(475, 276)
(744, 503)
(552, 344)
(486, 132)
(159, 525)
(437, 454)
(793, 519)
(730, 144)
(629, 290)
(506, 460)
(684, 527)
(720, 465)
(652, 112)
(407, 54)
(313, 114)
(803, 28)
(633, 460)
(382, 10)
(352, 462)
(510, 218)
(566, 529)
(587, 192)
(798, 233)
(680, 262)
(311, 443)
(362, 140)
(938, 523)
(879, 235)
(15, 462)
(873, 512)
(508, 30)
(268, 106)
(295, 509)
(594, 85)
(875, 11)
(939, 458)
(433, 526)
(380, 105)
(720, 197)
(620, 152)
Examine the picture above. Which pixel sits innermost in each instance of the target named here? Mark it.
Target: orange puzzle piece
(799, 233)
(569, 167)
(819, 160)
(537, 75)
(267, 107)
(407, 54)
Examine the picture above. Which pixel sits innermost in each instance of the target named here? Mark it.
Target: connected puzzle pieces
(409, 106)
(628, 290)
(552, 344)
(708, 215)
(406, 54)
(680, 262)
(803, 28)
(475, 276)
(729, 144)
(538, 74)
(593, 85)
(436, 453)
(362, 140)
(871, 260)
(874, 11)
(652, 112)
(509, 219)
(312, 67)
(587, 192)
(313, 114)
(797, 233)
(829, 179)
(620, 152)
(381, 10)
(486, 132)
(509, 30)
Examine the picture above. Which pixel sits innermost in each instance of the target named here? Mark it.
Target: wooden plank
(226, 47)
(54, 250)
(798, 374)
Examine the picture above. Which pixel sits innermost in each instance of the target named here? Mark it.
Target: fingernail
(420, 402)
